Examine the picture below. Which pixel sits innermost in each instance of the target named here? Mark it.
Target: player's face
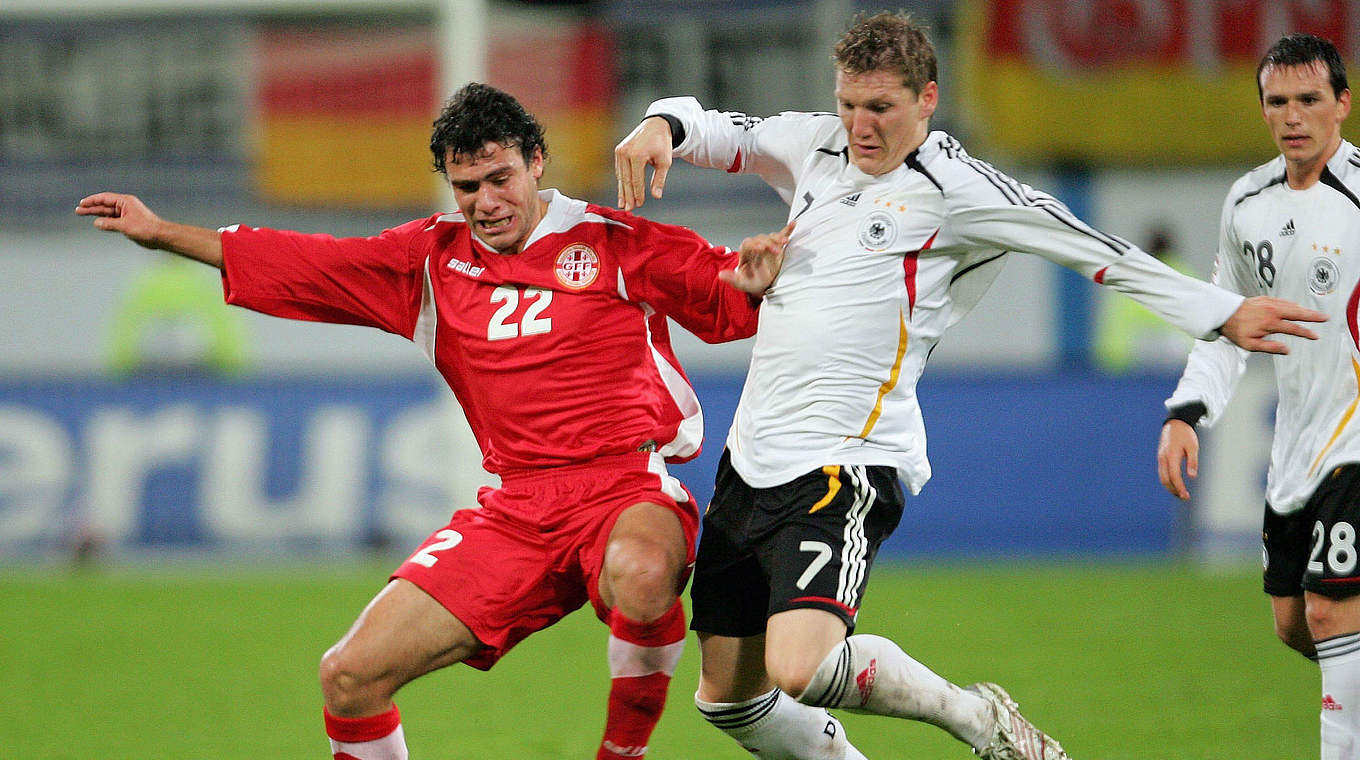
(498, 194)
(1304, 116)
(884, 119)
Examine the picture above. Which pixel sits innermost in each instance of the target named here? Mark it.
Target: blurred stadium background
(136, 424)
(136, 415)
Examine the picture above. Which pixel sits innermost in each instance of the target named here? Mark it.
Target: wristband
(677, 129)
(1190, 413)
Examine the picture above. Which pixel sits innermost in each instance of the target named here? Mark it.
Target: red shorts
(531, 552)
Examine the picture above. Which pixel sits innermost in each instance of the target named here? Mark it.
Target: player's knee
(644, 577)
(792, 674)
(347, 689)
(1328, 617)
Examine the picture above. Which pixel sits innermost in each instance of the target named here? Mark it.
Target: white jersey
(875, 270)
(1302, 245)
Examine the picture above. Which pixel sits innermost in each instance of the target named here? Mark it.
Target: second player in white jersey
(1292, 228)
(876, 269)
(1303, 245)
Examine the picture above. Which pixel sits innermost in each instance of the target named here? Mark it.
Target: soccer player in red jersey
(547, 317)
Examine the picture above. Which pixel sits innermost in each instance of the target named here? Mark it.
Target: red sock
(376, 737)
(642, 657)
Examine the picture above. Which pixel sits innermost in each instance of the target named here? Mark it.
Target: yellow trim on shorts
(833, 486)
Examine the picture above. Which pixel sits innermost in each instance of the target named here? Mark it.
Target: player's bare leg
(737, 696)
(1335, 625)
(797, 641)
(640, 583)
(1291, 624)
(402, 634)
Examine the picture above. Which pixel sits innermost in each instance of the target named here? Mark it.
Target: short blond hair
(887, 41)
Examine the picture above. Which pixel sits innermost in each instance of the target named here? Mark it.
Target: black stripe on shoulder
(844, 153)
(742, 120)
(1017, 195)
(914, 162)
(1260, 189)
(1331, 180)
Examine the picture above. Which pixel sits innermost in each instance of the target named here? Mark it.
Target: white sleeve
(1037, 223)
(773, 148)
(1213, 369)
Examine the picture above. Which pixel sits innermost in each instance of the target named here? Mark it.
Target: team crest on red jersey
(577, 266)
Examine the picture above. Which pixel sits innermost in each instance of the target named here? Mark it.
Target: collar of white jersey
(860, 177)
(922, 152)
(1344, 153)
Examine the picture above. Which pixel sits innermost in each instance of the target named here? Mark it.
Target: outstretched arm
(126, 214)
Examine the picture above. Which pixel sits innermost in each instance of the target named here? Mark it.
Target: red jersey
(557, 354)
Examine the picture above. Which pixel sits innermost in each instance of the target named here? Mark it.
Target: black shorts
(1315, 549)
(808, 543)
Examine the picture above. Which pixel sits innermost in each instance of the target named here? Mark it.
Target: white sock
(1339, 658)
(867, 673)
(774, 726)
(390, 747)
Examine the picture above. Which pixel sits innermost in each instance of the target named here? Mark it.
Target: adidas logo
(865, 681)
(1288, 229)
(851, 200)
(1329, 703)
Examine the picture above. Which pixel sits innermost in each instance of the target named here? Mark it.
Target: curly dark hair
(1302, 50)
(478, 114)
(887, 41)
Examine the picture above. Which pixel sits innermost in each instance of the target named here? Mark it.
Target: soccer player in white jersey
(546, 316)
(1291, 228)
(898, 232)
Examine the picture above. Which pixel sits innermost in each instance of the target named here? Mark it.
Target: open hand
(761, 257)
(120, 212)
(1260, 316)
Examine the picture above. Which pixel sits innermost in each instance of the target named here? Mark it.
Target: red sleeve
(676, 271)
(374, 281)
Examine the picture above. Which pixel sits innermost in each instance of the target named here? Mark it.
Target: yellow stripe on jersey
(833, 486)
(1350, 410)
(891, 382)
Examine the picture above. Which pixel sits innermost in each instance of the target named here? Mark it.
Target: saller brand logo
(865, 682)
(577, 266)
(471, 270)
(635, 751)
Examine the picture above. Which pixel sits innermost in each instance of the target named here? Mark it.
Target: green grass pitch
(1118, 661)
